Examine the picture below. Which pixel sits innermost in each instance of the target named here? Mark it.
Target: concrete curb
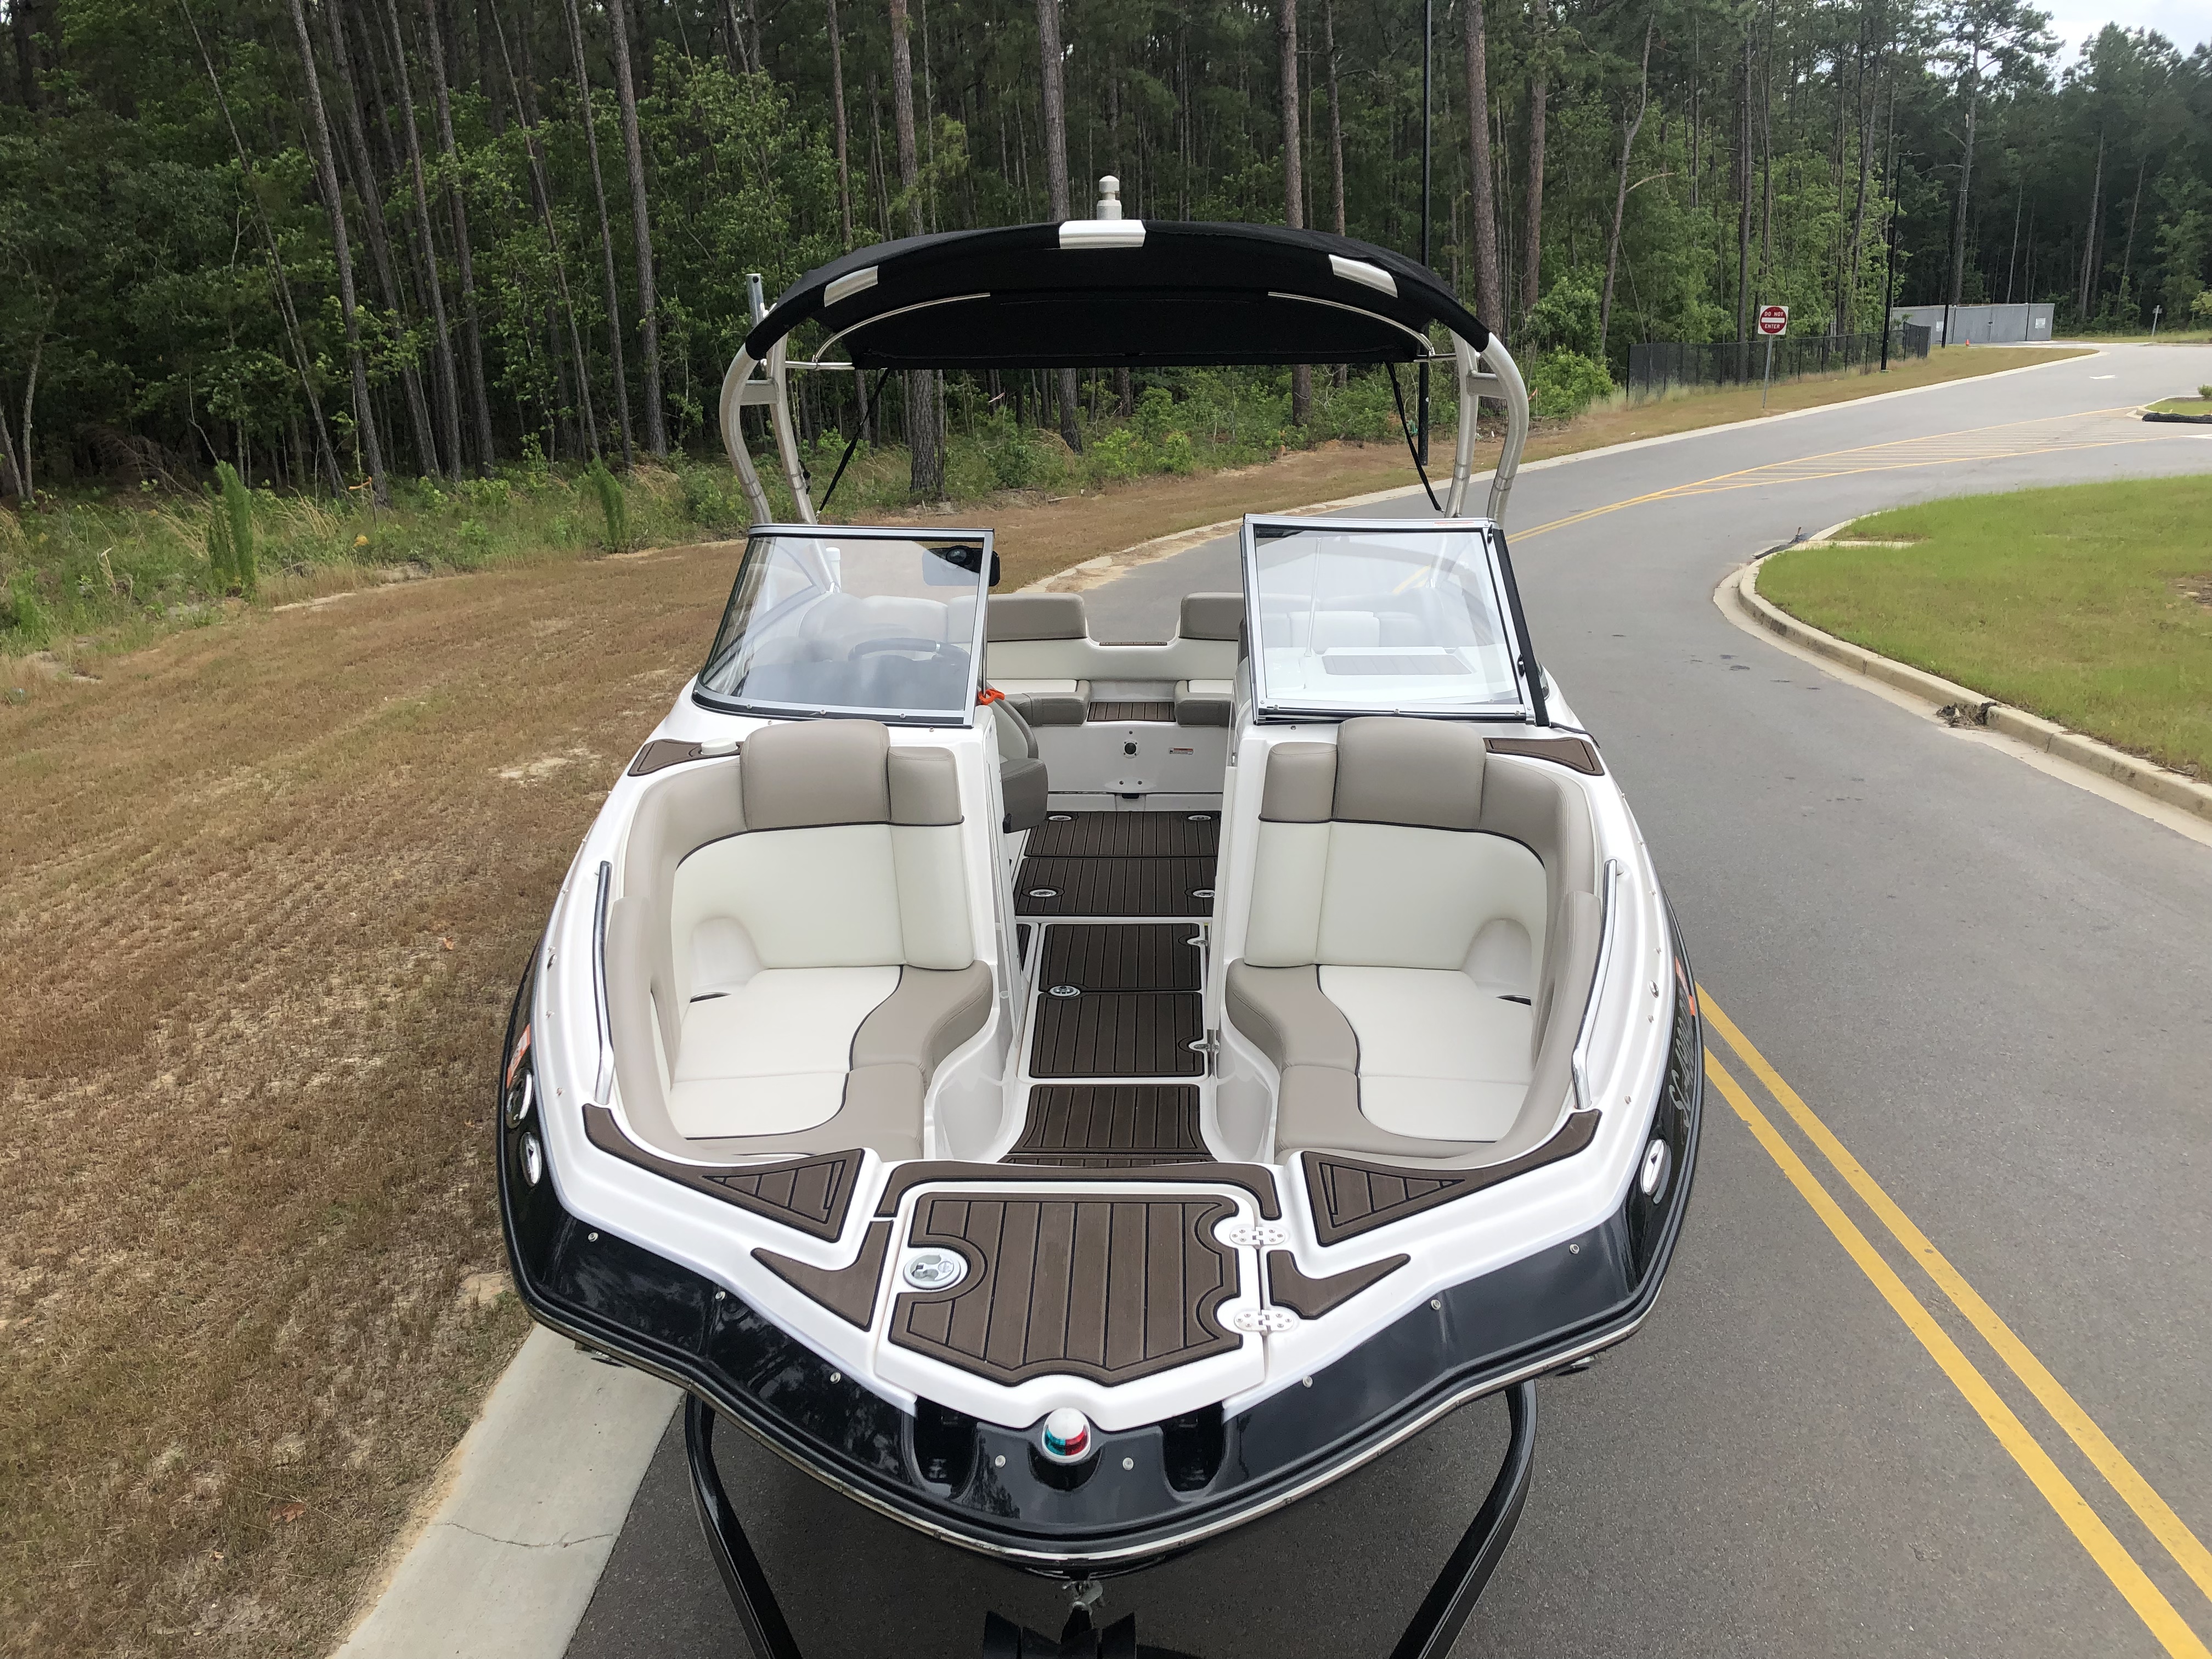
(527, 1509)
(1958, 704)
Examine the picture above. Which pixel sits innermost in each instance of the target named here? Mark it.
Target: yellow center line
(2087, 1526)
(2168, 1528)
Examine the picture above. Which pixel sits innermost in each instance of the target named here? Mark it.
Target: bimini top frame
(1115, 293)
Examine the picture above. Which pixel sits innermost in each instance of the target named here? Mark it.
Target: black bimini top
(1121, 293)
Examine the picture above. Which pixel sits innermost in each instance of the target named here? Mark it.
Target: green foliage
(1565, 319)
(604, 488)
(26, 624)
(233, 563)
(1565, 383)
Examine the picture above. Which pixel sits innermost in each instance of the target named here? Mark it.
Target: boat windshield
(1376, 618)
(854, 622)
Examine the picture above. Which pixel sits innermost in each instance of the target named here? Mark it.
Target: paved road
(1994, 987)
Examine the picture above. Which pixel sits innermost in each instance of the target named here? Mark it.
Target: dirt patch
(2198, 588)
(264, 892)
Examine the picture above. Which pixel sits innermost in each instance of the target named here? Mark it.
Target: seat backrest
(827, 847)
(1400, 845)
(1045, 636)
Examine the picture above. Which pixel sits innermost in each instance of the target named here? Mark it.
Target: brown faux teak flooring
(1125, 834)
(1128, 956)
(1118, 1034)
(1111, 1126)
(1115, 887)
(1106, 1288)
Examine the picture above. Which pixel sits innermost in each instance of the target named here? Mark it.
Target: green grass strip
(2090, 605)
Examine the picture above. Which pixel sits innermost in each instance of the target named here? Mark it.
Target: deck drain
(1201, 893)
(1059, 817)
(1066, 991)
(1044, 892)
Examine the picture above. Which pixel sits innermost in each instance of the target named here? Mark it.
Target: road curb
(527, 1510)
(1960, 704)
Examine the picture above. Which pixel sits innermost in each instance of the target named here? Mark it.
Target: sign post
(1772, 321)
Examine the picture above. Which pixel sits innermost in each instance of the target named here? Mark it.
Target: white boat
(1076, 1097)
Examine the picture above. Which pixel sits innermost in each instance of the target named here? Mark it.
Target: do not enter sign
(1774, 320)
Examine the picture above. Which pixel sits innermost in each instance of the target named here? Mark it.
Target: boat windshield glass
(1374, 618)
(853, 622)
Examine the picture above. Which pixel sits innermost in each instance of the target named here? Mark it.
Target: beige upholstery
(1210, 617)
(1035, 616)
(1421, 942)
(791, 955)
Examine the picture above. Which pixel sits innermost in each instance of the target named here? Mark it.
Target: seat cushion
(770, 1056)
(1204, 702)
(1440, 1059)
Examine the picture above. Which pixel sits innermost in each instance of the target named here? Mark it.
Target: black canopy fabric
(1192, 293)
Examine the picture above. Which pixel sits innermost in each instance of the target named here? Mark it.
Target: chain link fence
(1653, 368)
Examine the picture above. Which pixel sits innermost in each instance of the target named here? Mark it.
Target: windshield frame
(1270, 708)
(721, 703)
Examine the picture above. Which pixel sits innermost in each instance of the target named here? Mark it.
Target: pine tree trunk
(837, 125)
(449, 410)
(471, 334)
(1966, 181)
(574, 17)
(1055, 167)
(11, 476)
(1532, 237)
(926, 454)
(648, 302)
(293, 334)
(1743, 208)
(1621, 192)
(1294, 183)
(1489, 295)
(2086, 289)
(379, 246)
(541, 190)
(1335, 119)
(326, 176)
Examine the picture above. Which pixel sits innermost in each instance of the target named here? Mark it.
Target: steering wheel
(906, 642)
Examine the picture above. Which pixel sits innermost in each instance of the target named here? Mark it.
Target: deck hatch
(1110, 1289)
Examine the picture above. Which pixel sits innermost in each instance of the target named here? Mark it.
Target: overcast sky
(2187, 23)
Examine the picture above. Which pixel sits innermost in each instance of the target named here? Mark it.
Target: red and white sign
(1774, 320)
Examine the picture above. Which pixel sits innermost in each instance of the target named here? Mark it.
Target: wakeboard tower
(1076, 1097)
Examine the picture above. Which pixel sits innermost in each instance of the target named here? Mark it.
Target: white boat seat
(1041, 699)
(792, 956)
(1421, 937)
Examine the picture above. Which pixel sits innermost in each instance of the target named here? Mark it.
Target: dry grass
(265, 891)
(263, 897)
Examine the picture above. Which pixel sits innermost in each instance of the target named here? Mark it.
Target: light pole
(1428, 35)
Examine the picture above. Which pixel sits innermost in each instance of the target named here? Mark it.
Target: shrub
(2201, 306)
(1565, 383)
(232, 564)
(1565, 319)
(1016, 459)
(606, 490)
(1119, 454)
(25, 616)
(1155, 413)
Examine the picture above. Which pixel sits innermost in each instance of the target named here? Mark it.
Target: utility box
(2019, 325)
